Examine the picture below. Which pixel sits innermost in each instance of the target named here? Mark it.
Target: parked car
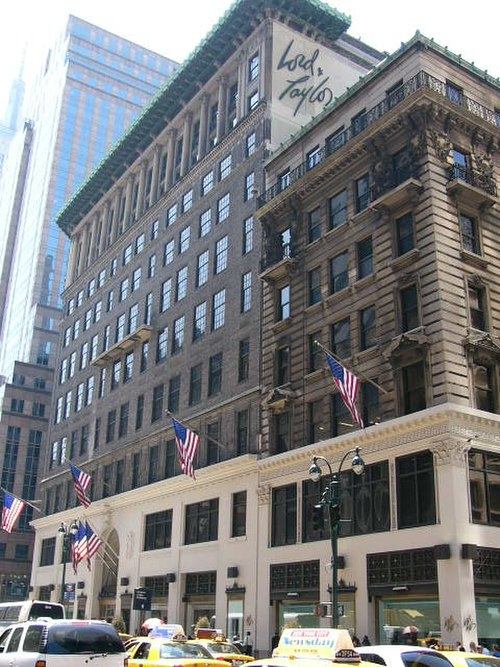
(463, 659)
(219, 647)
(394, 655)
(61, 643)
(160, 652)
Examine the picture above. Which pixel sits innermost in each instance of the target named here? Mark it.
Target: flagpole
(361, 375)
(216, 442)
(26, 502)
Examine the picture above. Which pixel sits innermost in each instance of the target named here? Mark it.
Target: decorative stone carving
(450, 452)
(441, 144)
(404, 343)
(264, 494)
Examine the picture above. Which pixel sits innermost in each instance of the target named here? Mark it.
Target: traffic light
(318, 517)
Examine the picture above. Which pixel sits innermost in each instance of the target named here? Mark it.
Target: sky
(174, 28)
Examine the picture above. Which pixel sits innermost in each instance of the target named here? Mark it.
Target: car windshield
(175, 650)
(222, 647)
(424, 659)
(483, 661)
(71, 639)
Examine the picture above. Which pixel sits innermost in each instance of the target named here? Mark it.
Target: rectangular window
(314, 286)
(370, 404)
(341, 419)
(178, 335)
(110, 426)
(158, 530)
(470, 233)
(404, 234)
(367, 328)
(454, 93)
(116, 374)
(282, 365)
(166, 295)
(249, 186)
(215, 374)
(119, 476)
(174, 392)
(148, 309)
(253, 67)
(415, 490)
(281, 433)
(195, 385)
(136, 470)
(155, 228)
(187, 201)
(128, 367)
(205, 223)
(247, 235)
(239, 514)
(120, 328)
(218, 309)
(477, 306)
(136, 279)
(362, 190)
(413, 388)
(213, 448)
(314, 225)
(253, 100)
(246, 292)
(338, 209)
(152, 266)
(169, 252)
(251, 144)
(207, 182)
(484, 387)
(199, 321)
(341, 338)
(316, 354)
(359, 122)
(202, 522)
(223, 206)
(409, 308)
(284, 515)
(242, 432)
(243, 360)
(139, 412)
(316, 429)
(339, 272)
(171, 215)
(162, 345)
(284, 303)
(221, 251)
(157, 404)
(364, 250)
(224, 167)
(123, 421)
(184, 239)
(47, 551)
(181, 283)
(127, 255)
(133, 318)
(484, 480)
(313, 157)
(139, 243)
(123, 290)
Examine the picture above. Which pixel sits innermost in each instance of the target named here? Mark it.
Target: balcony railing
(472, 177)
(422, 80)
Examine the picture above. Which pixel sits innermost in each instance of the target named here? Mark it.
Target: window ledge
(366, 280)
(402, 261)
(282, 325)
(472, 258)
(315, 307)
(318, 374)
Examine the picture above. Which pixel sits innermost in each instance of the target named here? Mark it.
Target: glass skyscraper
(91, 87)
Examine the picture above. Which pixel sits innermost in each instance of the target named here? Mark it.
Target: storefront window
(395, 616)
(487, 615)
(234, 618)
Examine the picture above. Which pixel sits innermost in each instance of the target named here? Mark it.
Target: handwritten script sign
(306, 82)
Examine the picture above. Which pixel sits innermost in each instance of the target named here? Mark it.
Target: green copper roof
(240, 20)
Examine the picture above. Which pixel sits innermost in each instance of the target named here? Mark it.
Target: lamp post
(331, 498)
(66, 532)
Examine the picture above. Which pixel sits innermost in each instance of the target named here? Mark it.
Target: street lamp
(331, 498)
(66, 532)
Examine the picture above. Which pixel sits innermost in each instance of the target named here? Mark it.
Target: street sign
(142, 599)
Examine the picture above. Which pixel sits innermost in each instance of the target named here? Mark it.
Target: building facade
(91, 87)
(164, 295)
(374, 238)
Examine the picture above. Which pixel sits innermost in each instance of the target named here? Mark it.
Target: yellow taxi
(313, 647)
(465, 659)
(176, 651)
(219, 647)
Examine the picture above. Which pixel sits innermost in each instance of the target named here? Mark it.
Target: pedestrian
(365, 641)
(496, 651)
(248, 643)
(355, 641)
(459, 646)
(472, 647)
(275, 640)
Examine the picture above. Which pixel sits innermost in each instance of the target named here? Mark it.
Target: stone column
(128, 201)
(171, 137)
(153, 198)
(221, 108)
(104, 231)
(83, 251)
(95, 237)
(457, 605)
(202, 141)
(116, 217)
(140, 193)
(186, 143)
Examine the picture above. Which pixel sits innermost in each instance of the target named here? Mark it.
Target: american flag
(12, 508)
(93, 543)
(79, 546)
(187, 446)
(82, 484)
(348, 386)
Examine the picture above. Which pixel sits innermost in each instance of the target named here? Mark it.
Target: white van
(28, 610)
(62, 643)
